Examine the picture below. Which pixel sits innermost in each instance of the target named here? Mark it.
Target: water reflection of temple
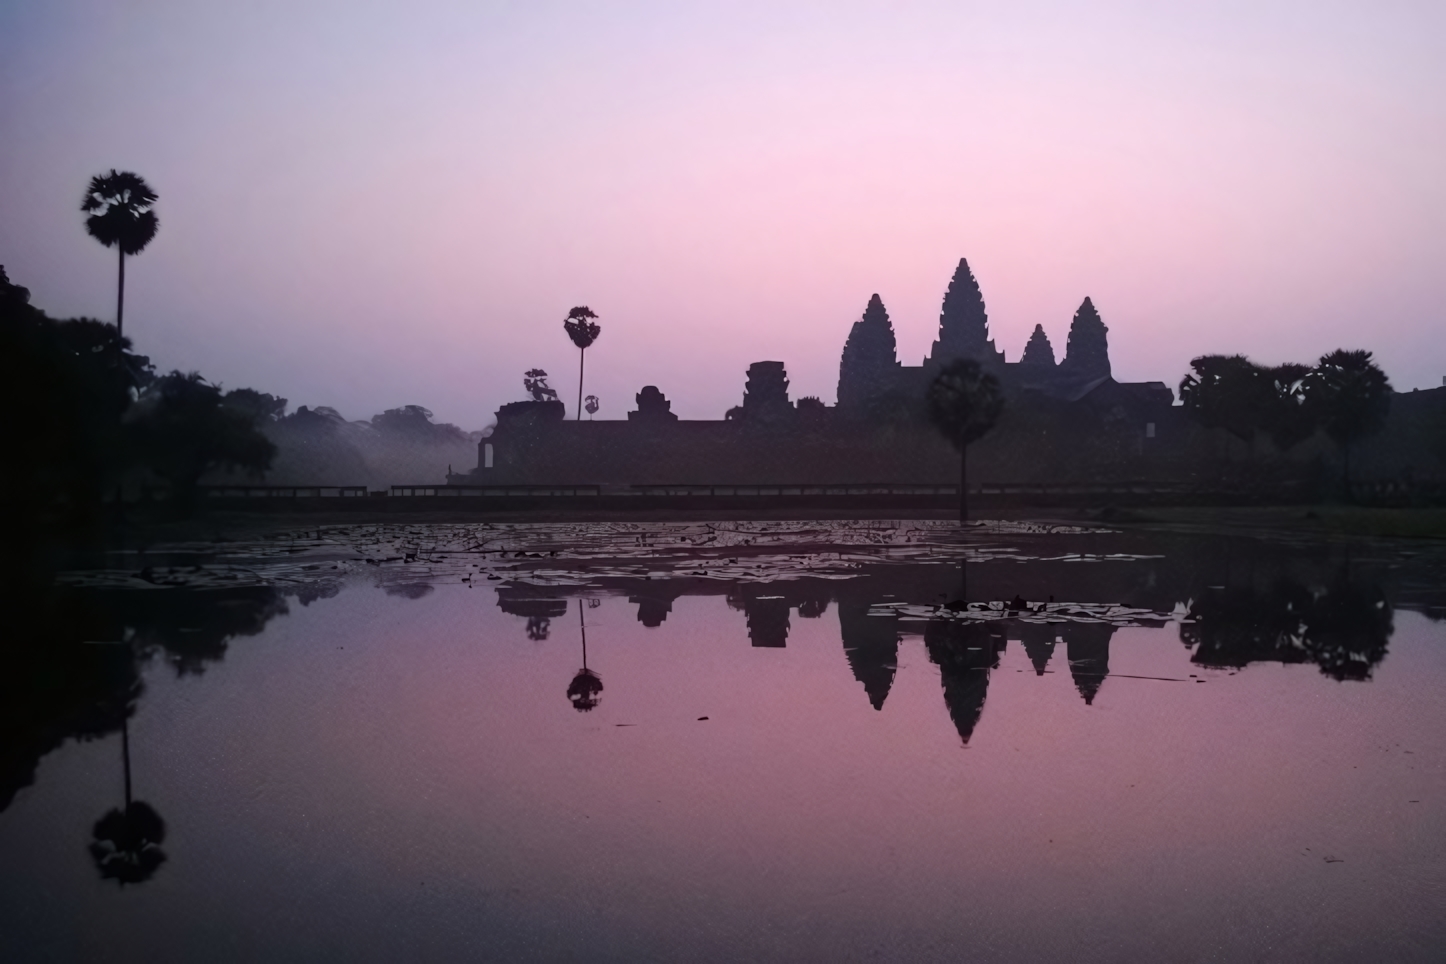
(965, 653)
(871, 645)
(1269, 604)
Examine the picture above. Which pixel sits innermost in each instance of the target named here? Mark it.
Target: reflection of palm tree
(585, 690)
(127, 843)
(1347, 631)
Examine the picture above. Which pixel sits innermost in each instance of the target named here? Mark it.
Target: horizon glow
(366, 208)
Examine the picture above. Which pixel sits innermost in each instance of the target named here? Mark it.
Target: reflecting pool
(849, 741)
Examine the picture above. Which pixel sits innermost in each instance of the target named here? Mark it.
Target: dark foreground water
(788, 743)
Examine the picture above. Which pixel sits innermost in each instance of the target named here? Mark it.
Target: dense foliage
(94, 414)
(1346, 395)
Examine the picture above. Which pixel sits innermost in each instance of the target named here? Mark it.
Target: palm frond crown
(119, 204)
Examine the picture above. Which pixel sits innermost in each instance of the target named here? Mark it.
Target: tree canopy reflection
(72, 670)
(1343, 629)
(1314, 611)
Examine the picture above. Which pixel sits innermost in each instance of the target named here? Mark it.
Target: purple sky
(370, 205)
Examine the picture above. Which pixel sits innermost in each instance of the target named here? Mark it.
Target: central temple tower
(964, 325)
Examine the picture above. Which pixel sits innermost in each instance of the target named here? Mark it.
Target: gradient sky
(367, 205)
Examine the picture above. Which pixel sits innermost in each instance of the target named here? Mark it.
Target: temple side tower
(1087, 356)
(1038, 353)
(964, 324)
(869, 367)
(765, 395)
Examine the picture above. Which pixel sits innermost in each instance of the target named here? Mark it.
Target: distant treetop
(580, 327)
(119, 205)
(535, 383)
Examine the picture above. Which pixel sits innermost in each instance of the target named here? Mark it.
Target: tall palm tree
(1351, 397)
(583, 331)
(964, 403)
(119, 205)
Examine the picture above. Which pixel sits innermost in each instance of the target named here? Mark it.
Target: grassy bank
(1320, 520)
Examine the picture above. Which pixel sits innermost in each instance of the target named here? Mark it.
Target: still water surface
(780, 742)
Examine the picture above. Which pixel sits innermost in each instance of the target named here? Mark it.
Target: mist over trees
(319, 446)
(182, 428)
(100, 423)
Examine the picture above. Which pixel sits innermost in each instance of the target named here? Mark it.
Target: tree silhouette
(1288, 420)
(583, 331)
(183, 429)
(119, 205)
(1226, 391)
(534, 382)
(1351, 397)
(70, 384)
(964, 403)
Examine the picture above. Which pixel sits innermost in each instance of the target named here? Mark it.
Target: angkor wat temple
(871, 376)
(1063, 419)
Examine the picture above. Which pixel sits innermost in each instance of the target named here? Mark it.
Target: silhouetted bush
(182, 430)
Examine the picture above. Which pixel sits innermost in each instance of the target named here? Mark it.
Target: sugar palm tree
(583, 331)
(964, 403)
(1351, 397)
(119, 205)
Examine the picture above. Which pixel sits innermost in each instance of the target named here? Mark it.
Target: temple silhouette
(871, 376)
(877, 431)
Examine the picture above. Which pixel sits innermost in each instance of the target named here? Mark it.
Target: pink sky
(366, 207)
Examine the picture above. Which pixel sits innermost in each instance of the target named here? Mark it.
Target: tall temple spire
(1087, 356)
(964, 324)
(869, 365)
(1039, 352)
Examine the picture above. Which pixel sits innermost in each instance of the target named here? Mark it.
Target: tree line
(95, 411)
(1345, 395)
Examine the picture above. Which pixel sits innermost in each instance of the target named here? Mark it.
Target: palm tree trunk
(120, 295)
(963, 485)
(582, 623)
(126, 758)
(1346, 451)
(581, 361)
